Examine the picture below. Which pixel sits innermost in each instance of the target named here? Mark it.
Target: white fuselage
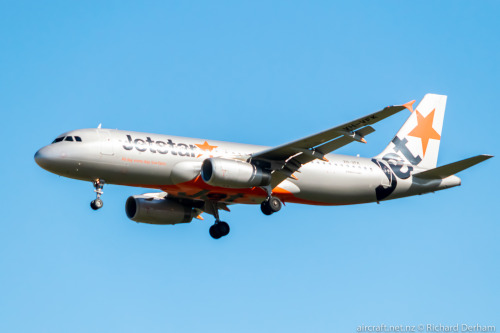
(172, 164)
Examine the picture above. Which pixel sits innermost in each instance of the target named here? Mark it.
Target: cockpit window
(68, 138)
(59, 139)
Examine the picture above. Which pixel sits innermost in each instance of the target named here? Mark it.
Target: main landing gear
(220, 228)
(270, 205)
(97, 203)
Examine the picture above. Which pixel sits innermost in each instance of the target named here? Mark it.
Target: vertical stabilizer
(417, 142)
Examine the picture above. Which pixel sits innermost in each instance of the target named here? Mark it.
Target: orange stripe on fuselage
(197, 189)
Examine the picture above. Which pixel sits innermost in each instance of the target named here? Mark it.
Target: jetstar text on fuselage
(159, 146)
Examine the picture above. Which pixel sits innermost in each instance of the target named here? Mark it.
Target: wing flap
(452, 168)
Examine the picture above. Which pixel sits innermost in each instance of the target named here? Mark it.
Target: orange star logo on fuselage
(424, 130)
(206, 147)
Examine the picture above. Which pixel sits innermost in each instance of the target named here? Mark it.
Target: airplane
(202, 175)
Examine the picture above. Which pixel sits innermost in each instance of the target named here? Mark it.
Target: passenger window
(69, 138)
(77, 138)
(59, 139)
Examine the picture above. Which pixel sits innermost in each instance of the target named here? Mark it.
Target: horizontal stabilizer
(452, 168)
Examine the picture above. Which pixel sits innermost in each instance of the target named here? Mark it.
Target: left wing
(286, 159)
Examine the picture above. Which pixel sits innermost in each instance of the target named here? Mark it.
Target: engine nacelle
(146, 209)
(228, 173)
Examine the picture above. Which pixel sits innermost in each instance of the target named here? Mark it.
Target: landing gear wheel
(219, 229)
(271, 205)
(264, 207)
(96, 204)
(214, 232)
(223, 228)
(274, 204)
(98, 186)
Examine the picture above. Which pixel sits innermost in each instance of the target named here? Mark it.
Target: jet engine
(228, 173)
(146, 209)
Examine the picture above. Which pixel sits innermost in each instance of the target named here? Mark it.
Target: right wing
(286, 159)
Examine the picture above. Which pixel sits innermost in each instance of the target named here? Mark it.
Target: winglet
(409, 105)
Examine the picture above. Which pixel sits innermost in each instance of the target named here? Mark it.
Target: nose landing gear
(97, 203)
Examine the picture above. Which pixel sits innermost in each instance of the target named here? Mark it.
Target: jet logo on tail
(400, 146)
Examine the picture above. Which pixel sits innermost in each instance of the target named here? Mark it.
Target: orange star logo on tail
(424, 129)
(206, 147)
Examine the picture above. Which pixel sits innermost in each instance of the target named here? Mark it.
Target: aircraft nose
(45, 157)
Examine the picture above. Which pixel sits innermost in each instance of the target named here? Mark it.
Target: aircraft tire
(96, 204)
(215, 232)
(274, 204)
(223, 228)
(264, 207)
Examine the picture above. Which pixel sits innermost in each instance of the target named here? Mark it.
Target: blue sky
(254, 72)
